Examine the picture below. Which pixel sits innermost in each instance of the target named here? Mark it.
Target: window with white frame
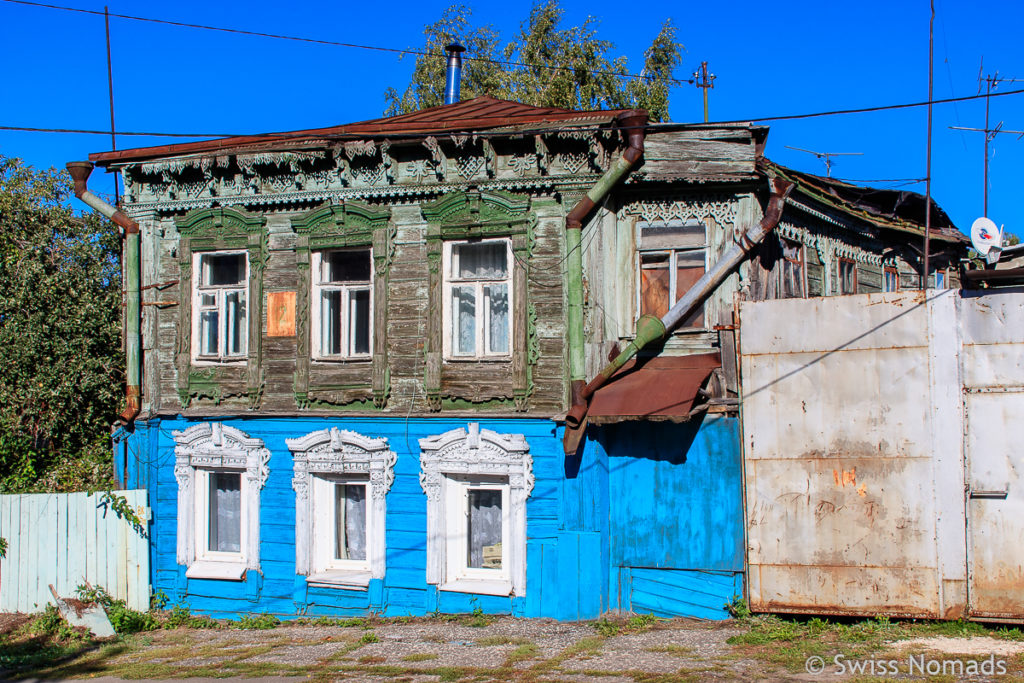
(220, 472)
(220, 332)
(477, 482)
(342, 304)
(341, 479)
(478, 299)
(672, 258)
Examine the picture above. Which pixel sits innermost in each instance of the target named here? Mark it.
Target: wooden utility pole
(110, 90)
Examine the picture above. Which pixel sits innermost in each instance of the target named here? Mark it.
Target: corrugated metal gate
(861, 415)
(66, 539)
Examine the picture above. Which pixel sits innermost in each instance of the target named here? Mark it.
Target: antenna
(827, 157)
(990, 82)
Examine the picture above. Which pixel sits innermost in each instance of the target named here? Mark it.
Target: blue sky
(769, 59)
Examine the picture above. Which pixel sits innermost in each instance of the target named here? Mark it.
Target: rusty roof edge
(884, 221)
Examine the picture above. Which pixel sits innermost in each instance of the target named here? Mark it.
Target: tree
(568, 68)
(61, 366)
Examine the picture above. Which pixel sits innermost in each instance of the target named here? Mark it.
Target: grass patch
(369, 637)
(613, 626)
(419, 657)
(369, 659)
(257, 622)
(522, 653)
(491, 641)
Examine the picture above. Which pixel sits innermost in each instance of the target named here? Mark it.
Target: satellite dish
(985, 236)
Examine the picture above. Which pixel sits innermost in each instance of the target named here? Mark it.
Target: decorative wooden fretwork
(220, 229)
(339, 383)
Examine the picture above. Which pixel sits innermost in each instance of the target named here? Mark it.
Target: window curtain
(482, 261)
(350, 516)
(484, 528)
(225, 512)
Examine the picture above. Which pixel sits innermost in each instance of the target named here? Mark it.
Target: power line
(282, 136)
(333, 43)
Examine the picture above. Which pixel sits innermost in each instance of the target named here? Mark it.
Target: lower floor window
(340, 536)
(478, 528)
(477, 482)
(223, 509)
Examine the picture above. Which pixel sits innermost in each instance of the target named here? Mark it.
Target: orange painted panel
(281, 314)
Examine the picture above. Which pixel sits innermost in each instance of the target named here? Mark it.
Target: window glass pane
(225, 512)
(654, 284)
(235, 329)
(350, 522)
(497, 297)
(484, 529)
(464, 307)
(673, 234)
(847, 277)
(891, 280)
(940, 279)
(209, 322)
(223, 269)
(689, 269)
(345, 266)
(208, 300)
(359, 301)
(481, 261)
(330, 323)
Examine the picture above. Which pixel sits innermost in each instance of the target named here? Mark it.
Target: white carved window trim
(215, 447)
(342, 456)
(450, 460)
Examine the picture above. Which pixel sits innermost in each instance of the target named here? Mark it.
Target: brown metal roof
(477, 114)
(662, 387)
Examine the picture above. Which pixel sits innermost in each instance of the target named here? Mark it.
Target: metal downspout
(651, 329)
(634, 123)
(131, 258)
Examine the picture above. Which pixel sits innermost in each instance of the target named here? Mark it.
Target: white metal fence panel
(853, 455)
(993, 349)
(66, 539)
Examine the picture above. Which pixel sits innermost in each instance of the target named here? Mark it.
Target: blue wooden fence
(66, 539)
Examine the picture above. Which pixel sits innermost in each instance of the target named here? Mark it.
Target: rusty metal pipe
(634, 125)
(651, 329)
(131, 257)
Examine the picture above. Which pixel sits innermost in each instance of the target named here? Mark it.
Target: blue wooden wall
(647, 517)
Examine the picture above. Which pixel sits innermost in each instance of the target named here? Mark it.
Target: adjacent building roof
(476, 115)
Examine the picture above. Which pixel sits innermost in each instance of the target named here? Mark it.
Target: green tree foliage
(61, 368)
(586, 77)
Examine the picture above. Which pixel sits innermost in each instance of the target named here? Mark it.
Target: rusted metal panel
(661, 387)
(993, 350)
(281, 314)
(850, 417)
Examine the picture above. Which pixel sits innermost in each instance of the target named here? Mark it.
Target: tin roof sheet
(475, 115)
(662, 387)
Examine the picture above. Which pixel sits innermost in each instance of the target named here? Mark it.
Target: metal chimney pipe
(453, 75)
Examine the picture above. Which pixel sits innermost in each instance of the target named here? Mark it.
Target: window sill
(213, 362)
(357, 360)
(206, 569)
(481, 586)
(489, 359)
(340, 579)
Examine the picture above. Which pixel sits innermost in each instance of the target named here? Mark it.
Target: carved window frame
(480, 215)
(352, 456)
(216, 447)
(352, 380)
(221, 230)
(449, 460)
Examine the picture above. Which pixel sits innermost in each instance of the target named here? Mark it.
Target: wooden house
(359, 343)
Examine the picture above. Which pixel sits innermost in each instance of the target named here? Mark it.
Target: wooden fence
(66, 539)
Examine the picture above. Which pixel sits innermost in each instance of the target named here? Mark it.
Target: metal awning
(657, 388)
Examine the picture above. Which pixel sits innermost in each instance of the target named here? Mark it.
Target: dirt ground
(641, 650)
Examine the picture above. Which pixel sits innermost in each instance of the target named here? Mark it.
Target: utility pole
(990, 82)
(827, 157)
(928, 163)
(705, 81)
(110, 90)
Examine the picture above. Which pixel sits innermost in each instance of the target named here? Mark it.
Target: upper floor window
(342, 308)
(478, 299)
(847, 276)
(792, 273)
(890, 279)
(220, 331)
(672, 259)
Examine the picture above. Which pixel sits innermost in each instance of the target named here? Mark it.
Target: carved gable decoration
(225, 227)
(480, 452)
(478, 213)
